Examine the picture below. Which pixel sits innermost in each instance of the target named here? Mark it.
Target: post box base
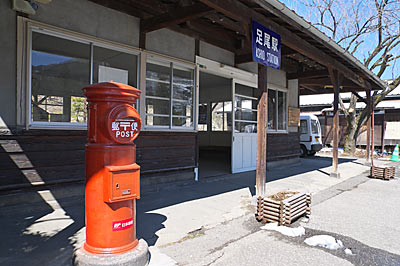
(139, 256)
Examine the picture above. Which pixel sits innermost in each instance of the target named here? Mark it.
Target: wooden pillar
(372, 129)
(262, 108)
(368, 147)
(142, 40)
(383, 134)
(336, 79)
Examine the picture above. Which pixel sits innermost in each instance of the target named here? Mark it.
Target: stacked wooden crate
(283, 211)
(382, 172)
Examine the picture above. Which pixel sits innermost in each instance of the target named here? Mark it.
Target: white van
(310, 135)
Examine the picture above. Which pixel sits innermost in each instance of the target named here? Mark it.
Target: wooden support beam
(336, 79)
(359, 97)
(121, 7)
(262, 116)
(229, 8)
(142, 40)
(240, 12)
(310, 88)
(324, 82)
(328, 90)
(244, 58)
(228, 23)
(214, 32)
(151, 5)
(308, 74)
(196, 48)
(175, 17)
(351, 75)
(372, 129)
(367, 155)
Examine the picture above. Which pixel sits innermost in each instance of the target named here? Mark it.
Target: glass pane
(79, 109)
(246, 115)
(155, 106)
(245, 127)
(314, 126)
(202, 127)
(157, 120)
(281, 110)
(245, 103)
(303, 126)
(217, 116)
(228, 116)
(60, 69)
(158, 72)
(181, 108)
(182, 121)
(203, 114)
(159, 89)
(183, 81)
(271, 109)
(114, 65)
(245, 90)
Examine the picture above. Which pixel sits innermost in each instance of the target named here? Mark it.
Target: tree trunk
(351, 130)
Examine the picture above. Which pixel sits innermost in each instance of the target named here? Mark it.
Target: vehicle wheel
(312, 153)
(303, 151)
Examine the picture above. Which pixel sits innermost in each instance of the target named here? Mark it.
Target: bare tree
(367, 29)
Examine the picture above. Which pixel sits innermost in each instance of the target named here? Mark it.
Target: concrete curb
(139, 256)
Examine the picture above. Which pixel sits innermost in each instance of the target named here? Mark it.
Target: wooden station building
(192, 61)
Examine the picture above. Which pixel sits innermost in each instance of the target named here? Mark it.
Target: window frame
(286, 91)
(159, 59)
(32, 26)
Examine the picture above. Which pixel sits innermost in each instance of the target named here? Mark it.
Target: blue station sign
(266, 46)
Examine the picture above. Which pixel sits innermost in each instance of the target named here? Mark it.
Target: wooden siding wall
(42, 156)
(282, 146)
(39, 156)
(59, 156)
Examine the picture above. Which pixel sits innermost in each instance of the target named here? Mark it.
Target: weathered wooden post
(336, 80)
(383, 134)
(367, 147)
(372, 129)
(262, 108)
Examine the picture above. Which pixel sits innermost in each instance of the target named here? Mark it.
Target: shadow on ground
(21, 245)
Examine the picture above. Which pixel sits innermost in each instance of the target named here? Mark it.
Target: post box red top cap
(113, 91)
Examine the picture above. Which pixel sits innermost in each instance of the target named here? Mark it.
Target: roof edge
(317, 33)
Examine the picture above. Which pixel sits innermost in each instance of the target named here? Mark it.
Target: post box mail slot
(121, 183)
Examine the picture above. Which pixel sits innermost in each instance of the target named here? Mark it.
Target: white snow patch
(288, 231)
(324, 241)
(348, 251)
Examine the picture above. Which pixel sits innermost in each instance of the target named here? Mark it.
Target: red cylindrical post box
(112, 175)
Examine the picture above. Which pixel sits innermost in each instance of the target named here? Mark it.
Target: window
(277, 110)
(169, 95)
(245, 109)
(221, 116)
(61, 66)
(303, 127)
(59, 71)
(314, 126)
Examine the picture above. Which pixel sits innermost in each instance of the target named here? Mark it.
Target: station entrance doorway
(227, 120)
